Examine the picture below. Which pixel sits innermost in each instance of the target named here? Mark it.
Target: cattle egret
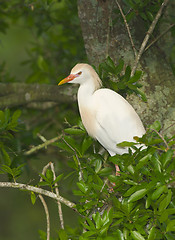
(105, 114)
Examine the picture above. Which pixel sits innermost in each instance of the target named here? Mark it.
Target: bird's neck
(87, 89)
(85, 92)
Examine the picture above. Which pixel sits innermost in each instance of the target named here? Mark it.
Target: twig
(79, 164)
(155, 40)
(43, 145)
(57, 193)
(161, 138)
(127, 28)
(39, 191)
(43, 139)
(150, 30)
(45, 205)
(164, 130)
(47, 215)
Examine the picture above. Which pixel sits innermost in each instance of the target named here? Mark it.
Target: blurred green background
(40, 41)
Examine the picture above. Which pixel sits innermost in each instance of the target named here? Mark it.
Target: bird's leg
(117, 173)
(117, 170)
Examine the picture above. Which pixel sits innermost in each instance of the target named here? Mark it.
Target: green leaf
(14, 120)
(130, 191)
(152, 234)
(97, 219)
(43, 177)
(156, 125)
(58, 178)
(82, 186)
(3, 123)
(43, 183)
(136, 236)
(90, 223)
(42, 64)
(131, 169)
(156, 194)
(74, 131)
(119, 235)
(136, 77)
(7, 159)
(171, 226)
(130, 182)
(157, 164)
(138, 195)
(143, 161)
(98, 165)
(105, 171)
(167, 157)
(110, 62)
(87, 142)
(143, 96)
(49, 175)
(70, 142)
(150, 16)
(126, 144)
(127, 73)
(7, 169)
(62, 234)
(165, 214)
(166, 201)
(119, 67)
(89, 233)
(33, 197)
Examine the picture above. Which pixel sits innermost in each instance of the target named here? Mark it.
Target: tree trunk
(102, 38)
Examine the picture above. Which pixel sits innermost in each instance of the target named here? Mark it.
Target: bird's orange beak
(67, 79)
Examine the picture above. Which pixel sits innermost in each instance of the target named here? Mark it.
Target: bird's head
(82, 73)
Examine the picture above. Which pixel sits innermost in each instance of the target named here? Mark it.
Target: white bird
(105, 114)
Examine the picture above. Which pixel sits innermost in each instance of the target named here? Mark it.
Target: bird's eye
(79, 73)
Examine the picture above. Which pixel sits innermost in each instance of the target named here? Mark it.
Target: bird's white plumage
(106, 115)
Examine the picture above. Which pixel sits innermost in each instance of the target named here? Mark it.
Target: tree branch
(151, 29)
(58, 194)
(16, 94)
(39, 191)
(156, 39)
(43, 145)
(47, 215)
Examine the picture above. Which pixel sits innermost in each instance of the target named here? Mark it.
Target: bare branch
(163, 33)
(57, 193)
(45, 205)
(166, 144)
(47, 215)
(127, 28)
(151, 29)
(16, 94)
(39, 191)
(43, 145)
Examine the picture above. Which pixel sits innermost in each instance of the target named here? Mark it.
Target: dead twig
(127, 28)
(150, 30)
(45, 205)
(57, 193)
(156, 39)
(43, 145)
(47, 215)
(161, 138)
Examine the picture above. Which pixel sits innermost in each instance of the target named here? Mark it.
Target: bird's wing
(116, 119)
